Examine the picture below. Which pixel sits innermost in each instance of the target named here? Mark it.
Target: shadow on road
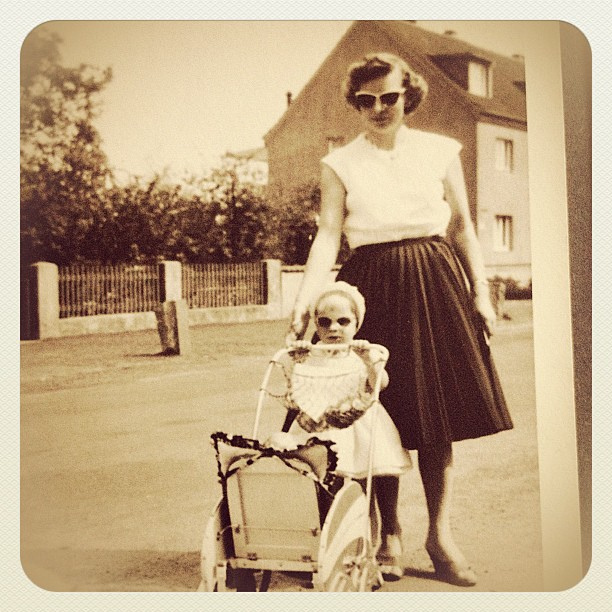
(113, 570)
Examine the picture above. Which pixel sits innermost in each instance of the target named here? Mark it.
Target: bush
(295, 223)
(514, 289)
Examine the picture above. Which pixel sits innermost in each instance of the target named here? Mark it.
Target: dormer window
(479, 79)
(472, 72)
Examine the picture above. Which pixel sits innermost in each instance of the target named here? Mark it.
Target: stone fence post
(273, 273)
(172, 313)
(171, 281)
(46, 286)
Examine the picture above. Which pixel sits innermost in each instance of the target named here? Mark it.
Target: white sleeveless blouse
(396, 194)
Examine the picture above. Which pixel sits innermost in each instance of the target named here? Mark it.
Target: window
(502, 237)
(504, 155)
(479, 79)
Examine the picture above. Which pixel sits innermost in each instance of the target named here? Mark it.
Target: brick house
(475, 96)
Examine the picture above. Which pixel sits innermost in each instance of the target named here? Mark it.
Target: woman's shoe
(388, 557)
(453, 573)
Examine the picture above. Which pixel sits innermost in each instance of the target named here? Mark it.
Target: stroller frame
(255, 528)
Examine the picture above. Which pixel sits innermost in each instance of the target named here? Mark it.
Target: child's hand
(299, 349)
(362, 349)
(373, 360)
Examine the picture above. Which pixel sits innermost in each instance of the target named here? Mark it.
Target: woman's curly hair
(376, 65)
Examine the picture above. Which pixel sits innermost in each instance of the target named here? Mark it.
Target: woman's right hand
(297, 328)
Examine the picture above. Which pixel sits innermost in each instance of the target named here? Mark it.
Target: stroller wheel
(214, 553)
(353, 572)
(340, 583)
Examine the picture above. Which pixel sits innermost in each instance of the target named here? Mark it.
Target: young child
(338, 313)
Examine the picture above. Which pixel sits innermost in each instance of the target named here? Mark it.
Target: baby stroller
(286, 510)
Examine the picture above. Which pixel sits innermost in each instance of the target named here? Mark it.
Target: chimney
(450, 33)
(518, 57)
(289, 96)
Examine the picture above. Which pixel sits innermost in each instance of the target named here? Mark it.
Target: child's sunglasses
(326, 322)
(367, 100)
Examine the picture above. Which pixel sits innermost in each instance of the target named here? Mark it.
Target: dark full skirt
(443, 385)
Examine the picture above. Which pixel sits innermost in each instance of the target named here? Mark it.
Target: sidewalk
(101, 358)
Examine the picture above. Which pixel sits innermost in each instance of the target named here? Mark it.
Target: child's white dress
(315, 388)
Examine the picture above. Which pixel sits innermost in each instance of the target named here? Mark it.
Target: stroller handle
(309, 346)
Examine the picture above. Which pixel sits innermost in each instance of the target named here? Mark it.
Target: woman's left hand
(487, 312)
(462, 236)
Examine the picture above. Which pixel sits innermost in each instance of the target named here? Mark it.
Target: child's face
(335, 320)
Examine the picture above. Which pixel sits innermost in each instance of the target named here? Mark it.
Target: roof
(257, 154)
(508, 101)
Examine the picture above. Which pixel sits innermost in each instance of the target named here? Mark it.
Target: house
(475, 96)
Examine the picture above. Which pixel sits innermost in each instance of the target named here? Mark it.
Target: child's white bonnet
(350, 291)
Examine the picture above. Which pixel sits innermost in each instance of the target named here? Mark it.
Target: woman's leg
(436, 468)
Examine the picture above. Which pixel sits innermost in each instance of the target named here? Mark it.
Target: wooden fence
(86, 290)
(219, 285)
(83, 299)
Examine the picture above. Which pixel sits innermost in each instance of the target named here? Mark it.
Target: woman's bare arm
(324, 249)
(462, 235)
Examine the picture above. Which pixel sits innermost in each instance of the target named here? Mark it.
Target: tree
(296, 212)
(138, 224)
(215, 218)
(296, 222)
(72, 211)
(237, 217)
(64, 172)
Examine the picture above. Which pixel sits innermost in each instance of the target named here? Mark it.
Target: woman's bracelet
(479, 281)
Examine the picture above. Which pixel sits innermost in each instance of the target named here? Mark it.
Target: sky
(184, 93)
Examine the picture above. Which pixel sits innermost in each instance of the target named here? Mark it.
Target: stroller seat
(275, 499)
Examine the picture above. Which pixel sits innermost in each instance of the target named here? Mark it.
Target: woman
(399, 196)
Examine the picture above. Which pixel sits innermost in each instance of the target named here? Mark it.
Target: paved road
(118, 475)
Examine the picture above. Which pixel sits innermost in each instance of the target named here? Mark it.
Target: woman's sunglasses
(367, 100)
(326, 322)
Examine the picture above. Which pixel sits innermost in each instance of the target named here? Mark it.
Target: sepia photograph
(278, 287)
